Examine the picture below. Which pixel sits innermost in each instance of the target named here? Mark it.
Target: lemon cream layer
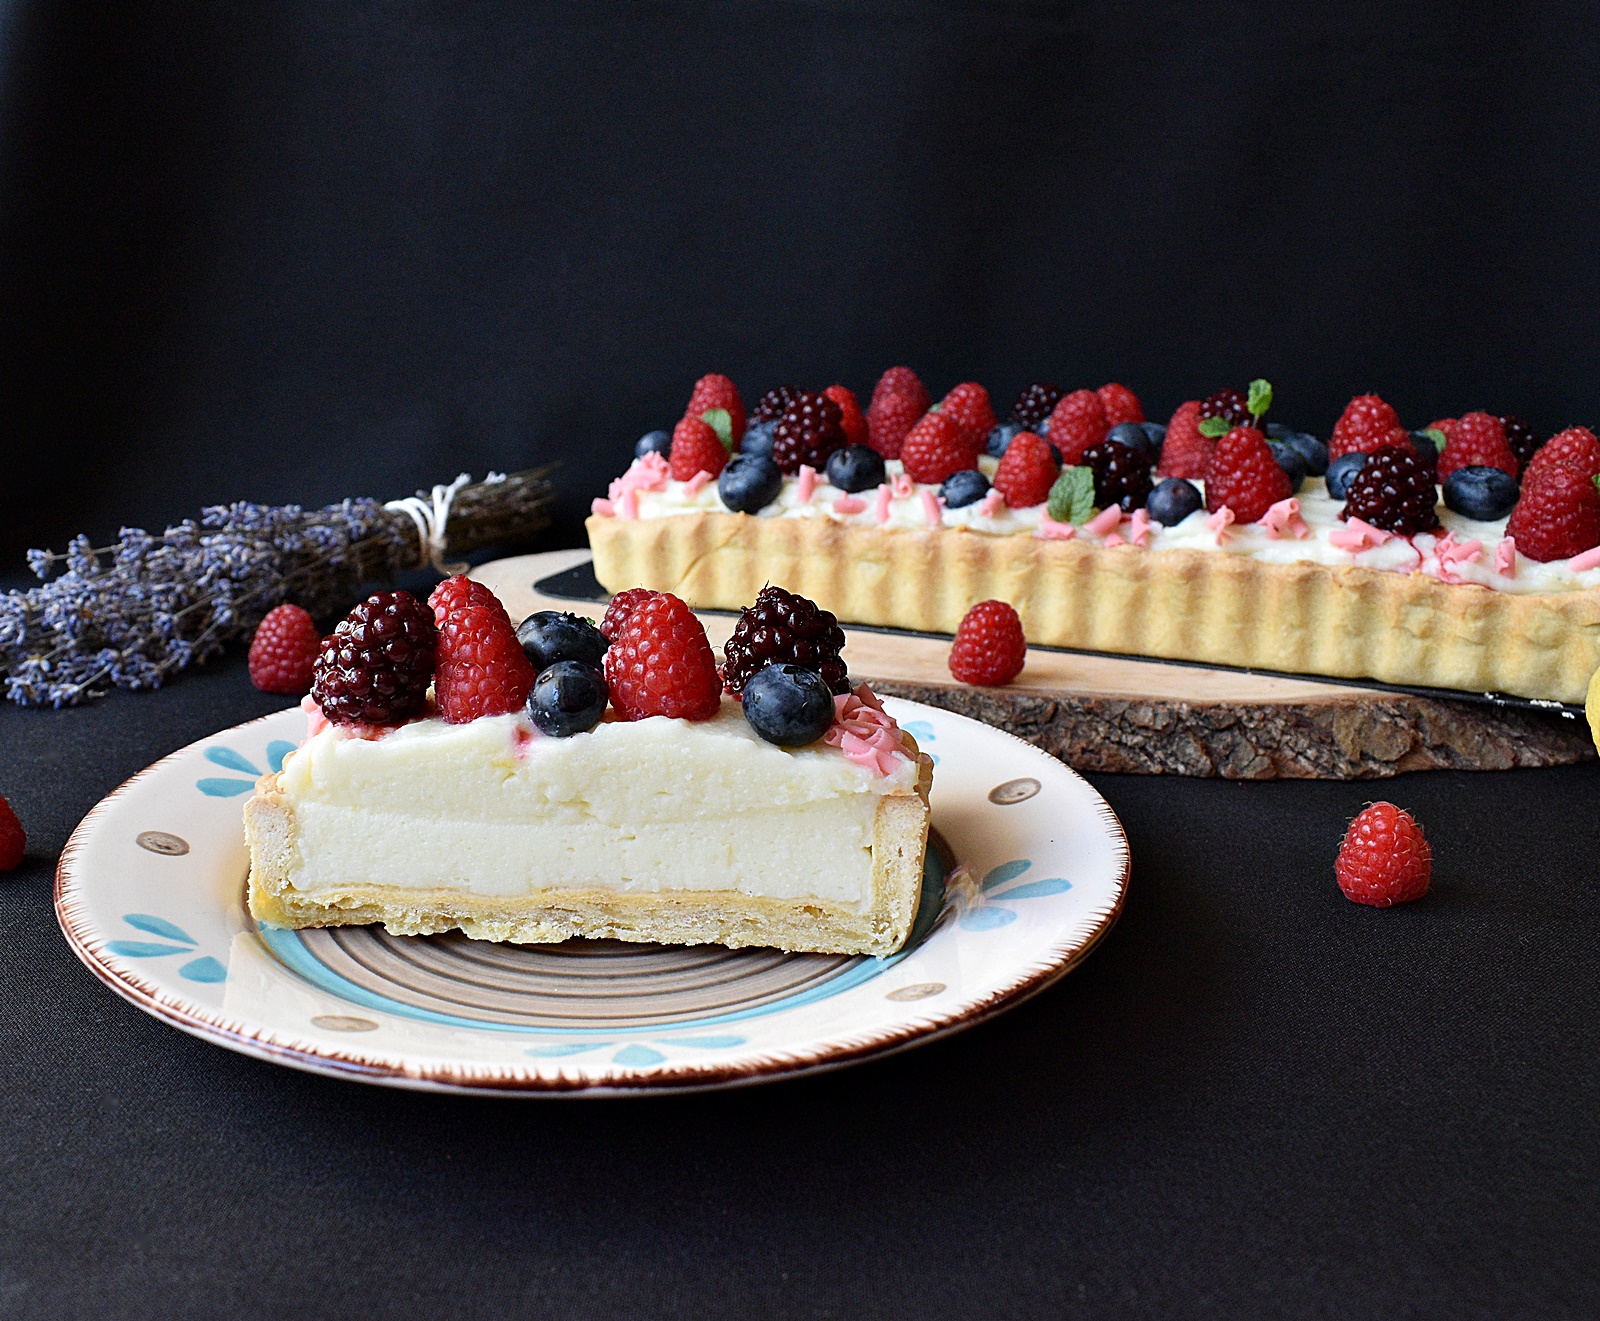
(493, 808)
(1464, 550)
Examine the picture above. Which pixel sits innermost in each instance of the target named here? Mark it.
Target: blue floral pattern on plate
(988, 914)
(227, 758)
(175, 940)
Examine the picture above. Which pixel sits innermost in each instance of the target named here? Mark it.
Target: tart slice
(641, 825)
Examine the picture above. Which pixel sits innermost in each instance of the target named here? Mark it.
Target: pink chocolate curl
(866, 733)
(1283, 520)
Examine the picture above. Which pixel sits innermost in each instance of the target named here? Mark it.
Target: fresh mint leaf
(1215, 427)
(1071, 499)
(1435, 435)
(719, 421)
(1259, 399)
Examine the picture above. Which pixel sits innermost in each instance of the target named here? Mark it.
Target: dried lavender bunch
(132, 614)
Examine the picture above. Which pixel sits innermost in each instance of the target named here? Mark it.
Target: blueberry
(1481, 493)
(653, 442)
(1043, 429)
(749, 483)
(1132, 434)
(1291, 461)
(1427, 453)
(788, 705)
(1156, 434)
(758, 439)
(1173, 501)
(1342, 471)
(1312, 450)
(568, 698)
(964, 488)
(1002, 436)
(554, 635)
(856, 468)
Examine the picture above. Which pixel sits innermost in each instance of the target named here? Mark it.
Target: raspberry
(1384, 859)
(1393, 491)
(458, 593)
(1185, 450)
(1230, 405)
(13, 842)
(1521, 437)
(283, 651)
(1366, 423)
(902, 381)
(1557, 515)
(969, 405)
(1242, 474)
(1034, 405)
(989, 648)
(376, 666)
(1121, 476)
(1027, 471)
(695, 449)
(1120, 404)
(483, 670)
(1446, 425)
(1076, 423)
(851, 419)
(935, 448)
(1576, 445)
(890, 419)
(810, 429)
(623, 604)
(788, 629)
(770, 407)
(716, 391)
(660, 663)
(1477, 441)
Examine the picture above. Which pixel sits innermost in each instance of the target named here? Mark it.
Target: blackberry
(1228, 404)
(810, 429)
(770, 407)
(376, 667)
(1121, 475)
(1034, 405)
(782, 628)
(1522, 438)
(1393, 491)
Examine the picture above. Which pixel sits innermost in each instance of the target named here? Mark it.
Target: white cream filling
(1319, 510)
(494, 808)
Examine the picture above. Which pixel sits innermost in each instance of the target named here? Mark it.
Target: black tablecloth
(1255, 1098)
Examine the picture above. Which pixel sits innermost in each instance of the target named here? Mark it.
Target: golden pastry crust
(1306, 618)
(721, 917)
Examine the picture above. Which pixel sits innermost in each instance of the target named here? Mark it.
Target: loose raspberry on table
(1558, 514)
(889, 422)
(1366, 423)
(1185, 450)
(1120, 404)
(1076, 423)
(1034, 405)
(695, 449)
(783, 628)
(969, 405)
(376, 666)
(716, 391)
(1393, 491)
(770, 407)
(1027, 471)
(1522, 438)
(13, 841)
(1384, 859)
(902, 381)
(936, 448)
(1575, 445)
(1243, 475)
(1478, 440)
(623, 604)
(851, 418)
(989, 649)
(1121, 475)
(660, 663)
(1231, 405)
(284, 649)
(810, 429)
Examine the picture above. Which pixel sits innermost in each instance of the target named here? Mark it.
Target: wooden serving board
(1118, 713)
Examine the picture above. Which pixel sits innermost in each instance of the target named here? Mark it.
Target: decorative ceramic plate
(1026, 872)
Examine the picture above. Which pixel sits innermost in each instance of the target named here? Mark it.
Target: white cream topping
(492, 807)
(907, 505)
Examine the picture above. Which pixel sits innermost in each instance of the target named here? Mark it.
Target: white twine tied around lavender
(431, 516)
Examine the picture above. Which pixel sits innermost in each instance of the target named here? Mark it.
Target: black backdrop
(317, 250)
